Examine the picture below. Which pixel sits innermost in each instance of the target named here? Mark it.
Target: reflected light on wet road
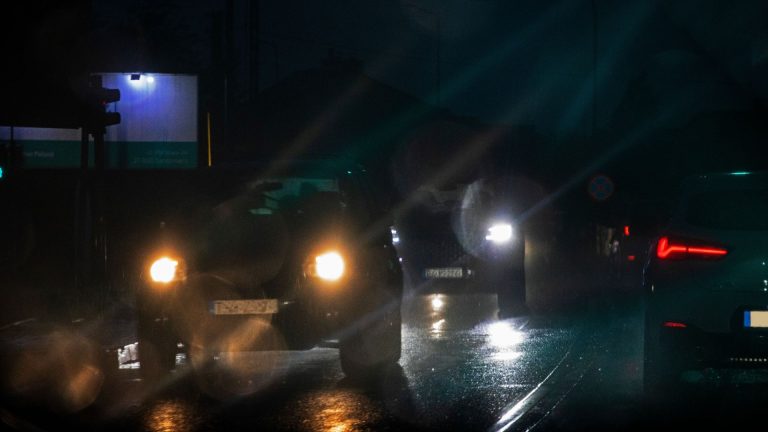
(437, 327)
(503, 334)
(338, 411)
(171, 416)
(461, 369)
(437, 302)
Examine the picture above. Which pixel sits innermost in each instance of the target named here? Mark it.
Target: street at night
(462, 368)
(427, 215)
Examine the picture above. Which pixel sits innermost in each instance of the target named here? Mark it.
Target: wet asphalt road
(461, 369)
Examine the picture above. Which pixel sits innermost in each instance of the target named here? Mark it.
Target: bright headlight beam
(437, 303)
(329, 266)
(163, 270)
(499, 233)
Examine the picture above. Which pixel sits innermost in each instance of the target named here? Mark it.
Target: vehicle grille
(441, 252)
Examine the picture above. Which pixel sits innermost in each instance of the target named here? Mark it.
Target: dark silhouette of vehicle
(284, 255)
(705, 281)
(473, 235)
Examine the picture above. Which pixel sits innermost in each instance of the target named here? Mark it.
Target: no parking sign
(600, 187)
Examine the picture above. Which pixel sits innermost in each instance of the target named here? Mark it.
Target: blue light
(2, 172)
(740, 173)
(138, 80)
(134, 80)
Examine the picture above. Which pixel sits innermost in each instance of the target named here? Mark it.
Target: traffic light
(97, 99)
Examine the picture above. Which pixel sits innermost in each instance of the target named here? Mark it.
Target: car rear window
(731, 209)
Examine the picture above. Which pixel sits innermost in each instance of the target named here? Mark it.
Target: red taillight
(674, 324)
(630, 257)
(667, 249)
(626, 230)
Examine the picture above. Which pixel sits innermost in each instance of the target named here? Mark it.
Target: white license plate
(243, 307)
(444, 273)
(756, 319)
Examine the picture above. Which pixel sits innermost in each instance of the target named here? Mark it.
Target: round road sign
(600, 187)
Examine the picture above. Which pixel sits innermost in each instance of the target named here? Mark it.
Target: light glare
(501, 334)
(437, 326)
(163, 270)
(329, 266)
(437, 303)
(395, 236)
(499, 233)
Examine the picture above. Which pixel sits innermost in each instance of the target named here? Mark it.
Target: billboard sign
(158, 129)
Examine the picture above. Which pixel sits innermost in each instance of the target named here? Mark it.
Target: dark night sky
(518, 62)
(681, 86)
(658, 64)
(529, 61)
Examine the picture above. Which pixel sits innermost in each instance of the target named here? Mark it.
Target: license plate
(756, 319)
(444, 273)
(243, 307)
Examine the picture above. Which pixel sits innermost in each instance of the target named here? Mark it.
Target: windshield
(429, 215)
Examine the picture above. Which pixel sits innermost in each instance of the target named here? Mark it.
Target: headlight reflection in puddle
(172, 416)
(437, 302)
(437, 328)
(505, 338)
(337, 411)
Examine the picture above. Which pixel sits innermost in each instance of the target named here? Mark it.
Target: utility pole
(254, 28)
(229, 62)
(437, 59)
(594, 68)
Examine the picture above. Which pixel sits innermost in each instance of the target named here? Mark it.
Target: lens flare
(437, 303)
(329, 266)
(502, 335)
(500, 233)
(163, 270)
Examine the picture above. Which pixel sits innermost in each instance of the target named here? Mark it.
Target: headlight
(166, 270)
(329, 266)
(395, 235)
(500, 233)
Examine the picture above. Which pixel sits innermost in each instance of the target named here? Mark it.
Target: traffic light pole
(100, 230)
(84, 149)
(91, 249)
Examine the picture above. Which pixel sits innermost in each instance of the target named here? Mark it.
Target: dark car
(472, 234)
(277, 256)
(706, 281)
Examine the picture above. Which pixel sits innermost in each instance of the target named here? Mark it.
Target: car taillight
(674, 324)
(679, 249)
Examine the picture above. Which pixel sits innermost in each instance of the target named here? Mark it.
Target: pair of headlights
(328, 266)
